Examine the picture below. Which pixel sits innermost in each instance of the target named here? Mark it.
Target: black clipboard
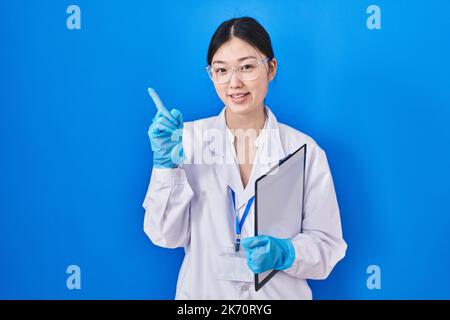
(285, 164)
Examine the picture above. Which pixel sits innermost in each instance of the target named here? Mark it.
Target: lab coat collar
(270, 151)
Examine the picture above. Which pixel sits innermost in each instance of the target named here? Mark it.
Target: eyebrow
(240, 59)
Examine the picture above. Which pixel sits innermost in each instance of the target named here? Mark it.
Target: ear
(272, 69)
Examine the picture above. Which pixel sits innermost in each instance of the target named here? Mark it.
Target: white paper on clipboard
(279, 202)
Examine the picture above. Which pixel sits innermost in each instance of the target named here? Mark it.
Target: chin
(240, 108)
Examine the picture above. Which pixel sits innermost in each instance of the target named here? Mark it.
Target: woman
(204, 172)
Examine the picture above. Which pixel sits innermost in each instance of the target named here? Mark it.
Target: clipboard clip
(284, 159)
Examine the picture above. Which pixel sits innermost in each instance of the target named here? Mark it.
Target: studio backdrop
(368, 80)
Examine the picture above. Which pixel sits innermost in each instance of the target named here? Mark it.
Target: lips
(239, 98)
(239, 95)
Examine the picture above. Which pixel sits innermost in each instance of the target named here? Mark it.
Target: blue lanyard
(239, 224)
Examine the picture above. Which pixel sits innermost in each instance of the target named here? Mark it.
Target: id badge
(232, 266)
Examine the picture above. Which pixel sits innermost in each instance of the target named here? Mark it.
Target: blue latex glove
(266, 253)
(165, 135)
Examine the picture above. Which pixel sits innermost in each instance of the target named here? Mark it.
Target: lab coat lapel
(270, 151)
(226, 167)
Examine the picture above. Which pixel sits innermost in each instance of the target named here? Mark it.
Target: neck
(252, 120)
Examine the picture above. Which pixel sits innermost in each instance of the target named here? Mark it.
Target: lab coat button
(244, 287)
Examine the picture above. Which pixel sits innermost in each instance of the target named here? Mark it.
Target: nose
(235, 82)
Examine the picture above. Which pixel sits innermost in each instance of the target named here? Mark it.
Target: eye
(220, 70)
(247, 67)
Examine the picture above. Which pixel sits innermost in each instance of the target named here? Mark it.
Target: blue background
(76, 161)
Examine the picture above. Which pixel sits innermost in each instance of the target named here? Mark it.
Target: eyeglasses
(246, 72)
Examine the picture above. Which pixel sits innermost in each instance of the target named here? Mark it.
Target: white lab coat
(191, 207)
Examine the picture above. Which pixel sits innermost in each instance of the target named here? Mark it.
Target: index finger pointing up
(160, 105)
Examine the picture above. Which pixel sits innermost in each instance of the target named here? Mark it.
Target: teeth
(238, 95)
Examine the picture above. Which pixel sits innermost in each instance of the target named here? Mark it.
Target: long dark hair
(244, 28)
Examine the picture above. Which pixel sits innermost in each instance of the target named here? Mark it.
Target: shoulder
(194, 135)
(203, 123)
(316, 158)
(196, 129)
(292, 139)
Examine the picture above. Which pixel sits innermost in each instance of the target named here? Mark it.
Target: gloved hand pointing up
(165, 135)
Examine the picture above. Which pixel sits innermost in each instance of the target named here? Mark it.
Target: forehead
(235, 49)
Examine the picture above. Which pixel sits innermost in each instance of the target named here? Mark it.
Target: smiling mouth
(240, 95)
(240, 98)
